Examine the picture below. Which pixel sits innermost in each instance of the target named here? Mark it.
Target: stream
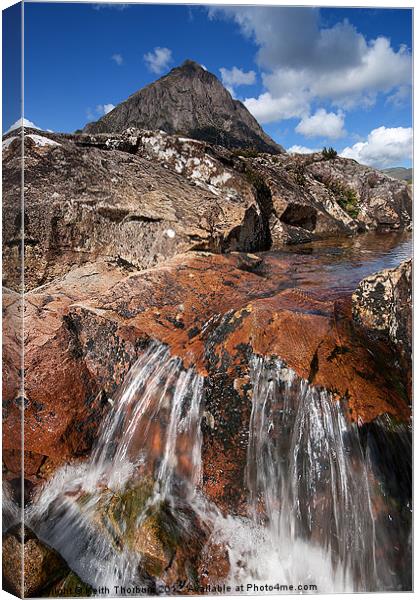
(315, 491)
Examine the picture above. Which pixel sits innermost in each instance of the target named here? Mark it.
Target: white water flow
(307, 482)
(156, 413)
(309, 511)
(148, 452)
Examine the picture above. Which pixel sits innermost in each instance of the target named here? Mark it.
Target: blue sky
(312, 77)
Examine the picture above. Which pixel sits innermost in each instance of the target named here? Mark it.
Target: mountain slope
(192, 102)
(399, 173)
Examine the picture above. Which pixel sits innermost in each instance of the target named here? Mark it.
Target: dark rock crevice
(263, 197)
(250, 236)
(300, 215)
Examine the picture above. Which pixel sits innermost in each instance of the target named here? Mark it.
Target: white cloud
(322, 124)
(158, 60)
(384, 147)
(118, 59)
(301, 57)
(235, 77)
(104, 109)
(400, 97)
(296, 149)
(267, 109)
(23, 123)
(380, 70)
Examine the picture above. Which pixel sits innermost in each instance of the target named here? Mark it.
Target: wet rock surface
(166, 540)
(214, 312)
(60, 394)
(214, 565)
(382, 304)
(42, 566)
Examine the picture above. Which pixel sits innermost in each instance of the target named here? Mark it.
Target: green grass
(345, 197)
(329, 153)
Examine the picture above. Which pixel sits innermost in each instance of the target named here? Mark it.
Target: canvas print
(207, 299)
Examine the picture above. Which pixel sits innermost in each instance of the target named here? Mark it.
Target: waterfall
(310, 517)
(305, 467)
(159, 402)
(150, 437)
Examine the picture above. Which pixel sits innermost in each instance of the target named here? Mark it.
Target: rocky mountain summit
(192, 102)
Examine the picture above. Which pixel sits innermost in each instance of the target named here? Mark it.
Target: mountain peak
(192, 102)
(190, 68)
(189, 64)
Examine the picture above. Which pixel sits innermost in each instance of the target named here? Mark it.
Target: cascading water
(152, 436)
(308, 487)
(160, 401)
(310, 478)
(310, 516)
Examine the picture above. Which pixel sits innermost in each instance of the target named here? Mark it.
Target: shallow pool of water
(339, 264)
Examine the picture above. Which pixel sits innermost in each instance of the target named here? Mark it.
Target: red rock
(63, 404)
(214, 564)
(312, 334)
(214, 312)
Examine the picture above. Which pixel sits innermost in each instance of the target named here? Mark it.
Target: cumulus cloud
(400, 97)
(381, 70)
(384, 147)
(322, 124)
(296, 149)
(158, 59)
(267, 108)
(301, 57)
(99, 111)
(118, 59)
(234, 77)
